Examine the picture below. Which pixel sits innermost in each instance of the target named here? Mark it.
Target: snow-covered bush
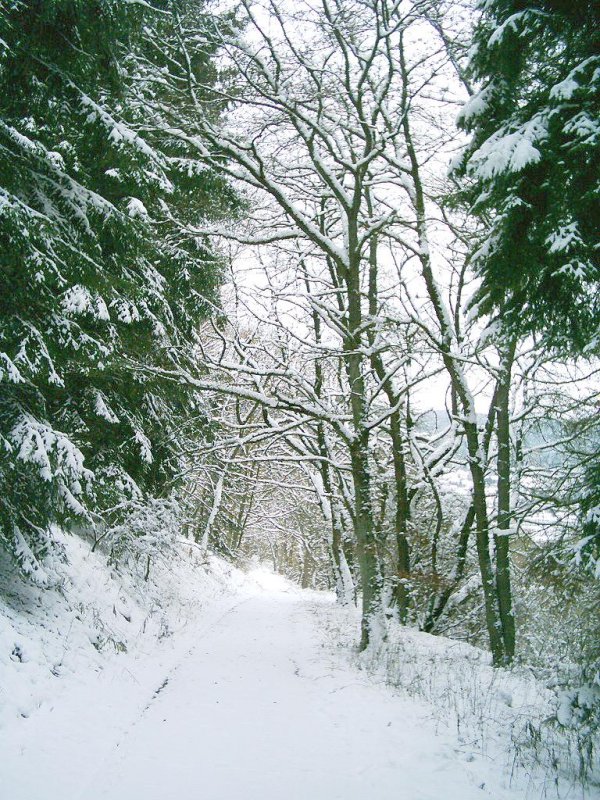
(150, 531)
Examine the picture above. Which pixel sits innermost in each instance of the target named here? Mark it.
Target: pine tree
(533, 163)
(533, 177)
(94, 277)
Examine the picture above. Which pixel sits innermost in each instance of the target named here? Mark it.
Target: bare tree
(337, 136)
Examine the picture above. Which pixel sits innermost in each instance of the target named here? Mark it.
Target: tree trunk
(502, 541)
(344, 583)
(372, 623)
(402, 511)
(460, 387)
(439, 603)
(482, 538)
(372, 612)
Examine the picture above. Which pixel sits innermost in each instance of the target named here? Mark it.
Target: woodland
(313, 283)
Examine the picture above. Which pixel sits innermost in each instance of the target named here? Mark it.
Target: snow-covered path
(254, 707)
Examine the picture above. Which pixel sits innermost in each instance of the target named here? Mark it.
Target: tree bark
(502, 541)
(402, 510)
(372, 622)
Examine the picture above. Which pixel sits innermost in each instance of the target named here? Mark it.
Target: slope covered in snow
(232, 686)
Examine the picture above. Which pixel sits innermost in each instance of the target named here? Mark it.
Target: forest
(313, 284)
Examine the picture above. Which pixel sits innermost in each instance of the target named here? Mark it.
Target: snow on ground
(92, 649)
(232, 687)
(508, 717)
(91, 612)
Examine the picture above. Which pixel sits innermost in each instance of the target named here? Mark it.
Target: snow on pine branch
(54, 458)
(509, 151)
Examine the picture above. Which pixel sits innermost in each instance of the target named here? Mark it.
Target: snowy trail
(258, 712)
(255, 708)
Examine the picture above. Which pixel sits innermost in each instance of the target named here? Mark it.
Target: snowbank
(93, 613)
(508, 716)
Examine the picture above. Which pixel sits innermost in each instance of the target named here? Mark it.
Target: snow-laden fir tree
(534, 164)
(533, 167)
(93, 277)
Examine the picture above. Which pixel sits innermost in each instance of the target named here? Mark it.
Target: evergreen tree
(94, 277)
(533, 167)
(534, 162)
